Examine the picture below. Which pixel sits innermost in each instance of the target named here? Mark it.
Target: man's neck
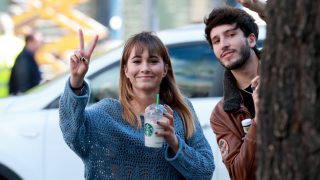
(247, 72)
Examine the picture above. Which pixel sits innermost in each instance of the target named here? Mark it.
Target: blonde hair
(169, 90)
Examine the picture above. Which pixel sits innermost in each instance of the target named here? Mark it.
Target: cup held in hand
(246, 123)
(153, 113)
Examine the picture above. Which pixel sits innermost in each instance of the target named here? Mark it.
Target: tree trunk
(289, 118)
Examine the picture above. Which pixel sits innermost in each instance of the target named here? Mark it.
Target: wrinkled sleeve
(73, 120)
(194, 159)
(238, 153)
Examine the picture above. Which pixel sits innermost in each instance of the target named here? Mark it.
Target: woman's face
(145, 71)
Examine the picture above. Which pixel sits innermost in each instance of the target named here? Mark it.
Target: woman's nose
(145, 67)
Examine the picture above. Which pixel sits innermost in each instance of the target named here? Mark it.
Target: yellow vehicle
(59, 21)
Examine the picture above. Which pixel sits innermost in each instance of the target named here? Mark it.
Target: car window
(105, 83)
(196, 69)
(260, 44)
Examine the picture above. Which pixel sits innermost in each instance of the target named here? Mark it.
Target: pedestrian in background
(232, 34)
(25, 73)
(108, 136)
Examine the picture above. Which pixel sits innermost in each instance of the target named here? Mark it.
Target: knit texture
(112, 149)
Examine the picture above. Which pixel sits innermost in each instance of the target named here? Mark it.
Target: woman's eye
(154, 60)
(136, 61)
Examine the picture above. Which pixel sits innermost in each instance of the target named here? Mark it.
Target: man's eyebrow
(233, 29)
(228, 30)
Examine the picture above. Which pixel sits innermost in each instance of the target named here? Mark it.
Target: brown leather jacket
(237, 148)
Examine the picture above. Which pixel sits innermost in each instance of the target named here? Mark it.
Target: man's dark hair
(228, 15)
(29, 37)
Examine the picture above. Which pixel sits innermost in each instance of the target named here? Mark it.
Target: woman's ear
(125, 71)
(252, 40)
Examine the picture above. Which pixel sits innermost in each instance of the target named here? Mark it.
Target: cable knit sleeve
(194, 158)
(73, 119)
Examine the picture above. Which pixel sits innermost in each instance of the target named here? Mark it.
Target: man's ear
(252, 40)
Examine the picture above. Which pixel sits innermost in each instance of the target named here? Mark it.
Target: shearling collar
(231, 94)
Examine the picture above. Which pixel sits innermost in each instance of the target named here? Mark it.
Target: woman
(108, 136)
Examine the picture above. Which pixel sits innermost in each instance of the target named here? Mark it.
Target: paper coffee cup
(246, 123)
(153, 114)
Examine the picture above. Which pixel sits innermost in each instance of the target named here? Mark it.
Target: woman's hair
(169, 92)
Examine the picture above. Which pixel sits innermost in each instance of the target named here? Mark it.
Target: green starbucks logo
(148, 129)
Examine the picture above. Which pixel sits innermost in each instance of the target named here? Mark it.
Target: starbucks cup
(152, 114)
(246, 123)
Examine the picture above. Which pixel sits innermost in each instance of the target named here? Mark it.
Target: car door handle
(30, 134)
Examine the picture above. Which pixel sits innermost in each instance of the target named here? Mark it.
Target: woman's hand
(79, 61)
(169, 131)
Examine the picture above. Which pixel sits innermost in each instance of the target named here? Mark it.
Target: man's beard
(245, 54)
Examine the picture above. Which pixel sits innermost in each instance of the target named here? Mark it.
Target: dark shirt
(25, 73)
(248, 100)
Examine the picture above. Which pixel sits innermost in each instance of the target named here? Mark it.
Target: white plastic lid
(246, 122)
(155, 108)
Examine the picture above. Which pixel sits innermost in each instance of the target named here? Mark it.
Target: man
(232, 34)
(25, 73)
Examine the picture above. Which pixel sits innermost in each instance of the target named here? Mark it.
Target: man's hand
(255, 84)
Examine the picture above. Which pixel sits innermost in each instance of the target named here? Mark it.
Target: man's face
(37, 42)
(230, 45)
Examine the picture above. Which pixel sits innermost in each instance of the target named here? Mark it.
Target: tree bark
(289, 118)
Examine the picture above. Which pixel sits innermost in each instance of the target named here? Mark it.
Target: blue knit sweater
(112, 149)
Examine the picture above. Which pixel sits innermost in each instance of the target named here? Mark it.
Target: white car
(31, 142)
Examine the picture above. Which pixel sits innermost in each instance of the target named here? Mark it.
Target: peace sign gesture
(79, 61)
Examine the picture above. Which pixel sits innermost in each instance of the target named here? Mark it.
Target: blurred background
(113, 20)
